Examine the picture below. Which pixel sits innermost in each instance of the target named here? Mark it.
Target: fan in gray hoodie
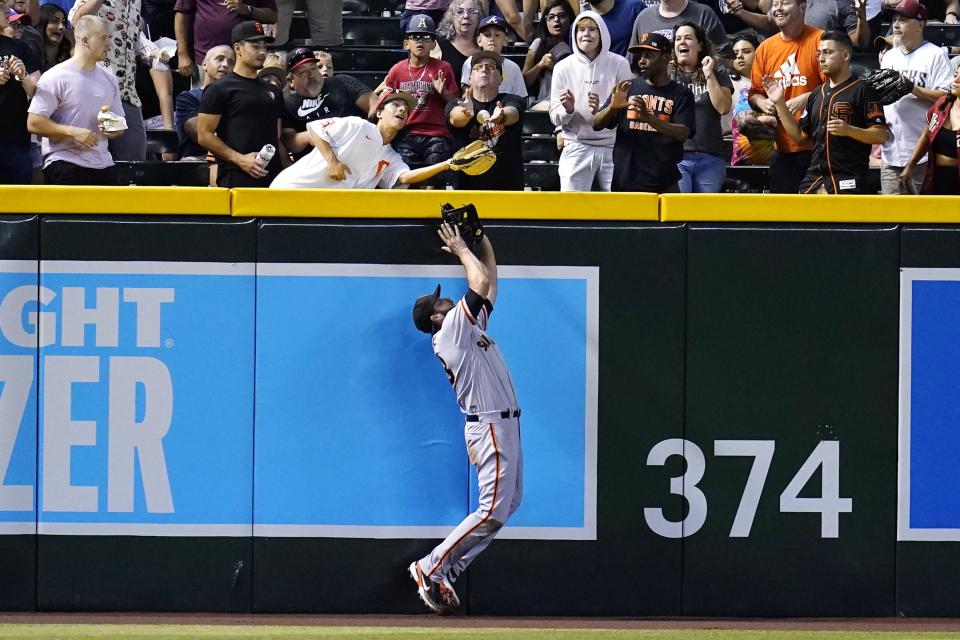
(581, 83)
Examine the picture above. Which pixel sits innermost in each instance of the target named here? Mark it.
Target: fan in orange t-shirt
(791, 57)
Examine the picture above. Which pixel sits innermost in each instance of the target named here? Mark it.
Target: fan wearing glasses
(426, 139)
(457, 33)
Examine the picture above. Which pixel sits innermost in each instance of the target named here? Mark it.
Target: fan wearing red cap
(355, 153)
(426, 140)
(925, 64)
(315, 97)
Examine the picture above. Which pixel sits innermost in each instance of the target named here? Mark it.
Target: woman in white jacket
(582, 82)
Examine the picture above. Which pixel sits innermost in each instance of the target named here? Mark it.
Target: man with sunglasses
(426, 139)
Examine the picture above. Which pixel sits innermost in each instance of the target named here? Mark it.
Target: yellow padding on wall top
(115, 200)
(530, 205)
(768, 207)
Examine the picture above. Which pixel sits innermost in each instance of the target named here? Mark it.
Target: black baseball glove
(889, 85)
(466, 219)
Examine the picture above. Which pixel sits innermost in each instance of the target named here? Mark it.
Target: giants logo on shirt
(659, 106)
(789, 73)
(842, 110)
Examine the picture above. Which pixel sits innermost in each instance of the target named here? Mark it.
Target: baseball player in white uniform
(485, 393)
(353, 153)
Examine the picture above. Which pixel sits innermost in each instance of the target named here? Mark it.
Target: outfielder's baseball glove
(889, 85)
(473, 159)
(466, 218)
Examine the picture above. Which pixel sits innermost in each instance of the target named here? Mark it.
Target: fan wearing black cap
(484, 113)
(486, 396)
(315, 98)
(239, 114)
(653, 116)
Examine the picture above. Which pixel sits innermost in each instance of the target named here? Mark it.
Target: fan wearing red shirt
(426, 139)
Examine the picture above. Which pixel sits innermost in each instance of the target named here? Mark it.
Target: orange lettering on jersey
(380, 167)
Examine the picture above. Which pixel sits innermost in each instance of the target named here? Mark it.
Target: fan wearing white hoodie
(581, 83)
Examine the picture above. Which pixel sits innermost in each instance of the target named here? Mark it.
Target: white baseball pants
(494, 448)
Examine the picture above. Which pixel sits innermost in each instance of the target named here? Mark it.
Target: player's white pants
(494, 447)
(580, 163)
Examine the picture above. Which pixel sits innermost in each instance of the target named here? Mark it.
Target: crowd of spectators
(643, 95)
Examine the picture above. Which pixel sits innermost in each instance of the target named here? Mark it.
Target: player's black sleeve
(475, 302)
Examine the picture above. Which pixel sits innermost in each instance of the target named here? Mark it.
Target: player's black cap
(299, 57)
(423, 309)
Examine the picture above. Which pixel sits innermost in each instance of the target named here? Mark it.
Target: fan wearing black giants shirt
(486, 114)
(315, 98)
(240, 114)
(843, 119)
(653, 115)
(19, 72)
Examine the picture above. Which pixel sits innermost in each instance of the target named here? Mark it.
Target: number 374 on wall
(829, 505)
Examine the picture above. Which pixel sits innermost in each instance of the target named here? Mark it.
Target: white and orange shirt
(472, 360)
(357, 144)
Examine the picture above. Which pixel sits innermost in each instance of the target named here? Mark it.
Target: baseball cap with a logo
(493, 21)
(423, 309)
(652, 42)
(911, 9)
(422, 23)
(299, 57)
(249, 31)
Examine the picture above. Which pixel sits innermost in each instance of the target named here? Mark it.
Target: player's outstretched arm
(476, 273)
(413, 176)
(489, 261)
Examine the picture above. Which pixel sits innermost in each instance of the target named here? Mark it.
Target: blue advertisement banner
(358, 433)
(929, 456)
(145, 411)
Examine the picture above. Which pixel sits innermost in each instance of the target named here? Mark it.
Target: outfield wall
(228, 409)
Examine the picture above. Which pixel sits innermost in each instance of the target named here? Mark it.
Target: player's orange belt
(506, 413)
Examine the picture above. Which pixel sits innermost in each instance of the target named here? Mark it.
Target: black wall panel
(792, 337)
(928, 573)
(19, 240)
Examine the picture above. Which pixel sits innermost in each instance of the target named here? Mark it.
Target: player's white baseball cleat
(428, 589)
(448, 595)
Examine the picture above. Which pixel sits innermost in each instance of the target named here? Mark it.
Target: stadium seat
(161, 141)
(371, 30)
(540, 148)
(541, 176)
(349, 59)
(183, 174)
(537, 123)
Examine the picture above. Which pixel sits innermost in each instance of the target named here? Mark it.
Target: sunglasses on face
(421, 37)
(484, 67)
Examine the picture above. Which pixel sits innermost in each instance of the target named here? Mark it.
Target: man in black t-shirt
(486, 114)
(653, 115)
(315, 98)
(16, 166)
(239, 114)
(843, 119)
